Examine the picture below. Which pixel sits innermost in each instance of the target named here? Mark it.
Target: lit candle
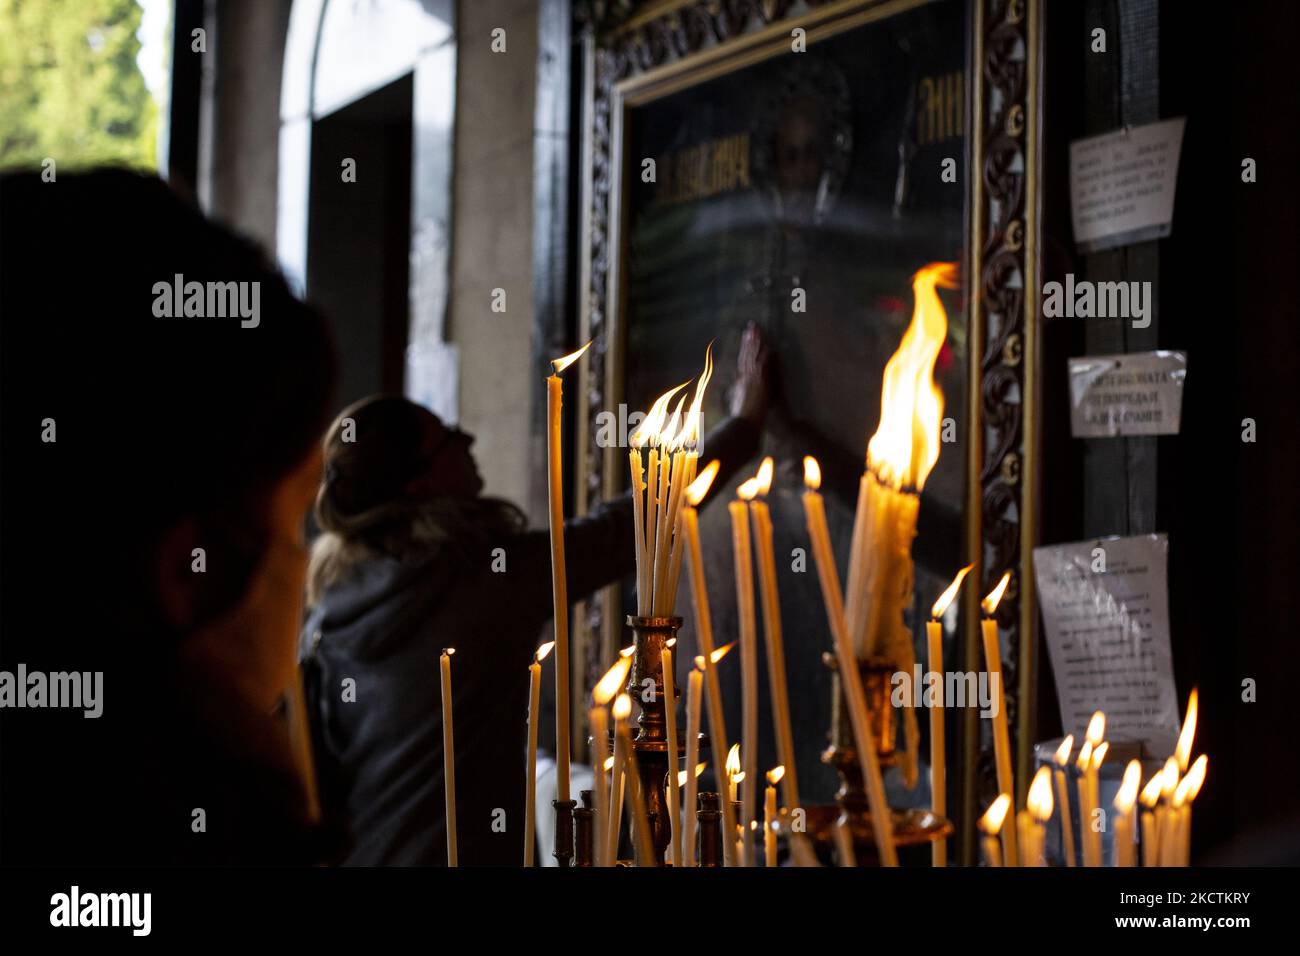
(990, 824)
(1125, 800)
(530, 781)
(689, 522)
(1086, 820)
(1188, 788)
(769, 815)
(448, 754)
(938, 762)
(733, 771)
(1094, 792)
(559, 585)
(690, 779)
(1039, 808)
(1150, 829)
(1166, 821)
(694, 686)
(1092, 787)
(670, 717)
(632, 781)
(1063, 798)
(762, 518)
(598, 719)
(1001, 735)
(748, 658)
(850, 676)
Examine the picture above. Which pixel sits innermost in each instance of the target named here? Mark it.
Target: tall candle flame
(543, 650)
(747, 490)
(775, 774)
(1084, 760)
(682, 774)
(1096, 728)
(1170, 778)
(560, 364)
(612, 682)
(764, 476)
(1195, 778)
(1063, 752)
(1099, 754)
(733, 761)
(991, 822)
(994, 597)
(905, 446)
(720, 652)
(622, 707)
(812, 473)
(698, 488)
(1128, 789)
(941, 605)
(648, 432)
(1151, 792)
(695, 418)
(1039, 799)
(1188, 734)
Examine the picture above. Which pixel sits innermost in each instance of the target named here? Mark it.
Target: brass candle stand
(911, 827)
(650, 635)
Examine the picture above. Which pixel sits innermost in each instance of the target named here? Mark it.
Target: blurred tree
(70, 87)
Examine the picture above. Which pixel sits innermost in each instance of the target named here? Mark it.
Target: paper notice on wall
(1122, 184)
(1105, 608)
(1136, 394)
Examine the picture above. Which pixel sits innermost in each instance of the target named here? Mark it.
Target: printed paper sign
(1136, 394)
(1106, 612)
(1122, 184)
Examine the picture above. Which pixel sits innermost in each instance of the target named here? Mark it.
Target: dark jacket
(379, 756)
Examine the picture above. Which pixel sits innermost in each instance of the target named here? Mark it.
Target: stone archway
(336, 52)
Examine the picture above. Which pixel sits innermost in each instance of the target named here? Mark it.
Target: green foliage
(70, 88)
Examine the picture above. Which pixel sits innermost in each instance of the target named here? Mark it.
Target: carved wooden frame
(645, 50)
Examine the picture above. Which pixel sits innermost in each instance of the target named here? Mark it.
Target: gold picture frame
(669, 45)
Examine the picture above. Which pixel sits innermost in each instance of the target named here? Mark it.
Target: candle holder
(911, 827)
(563, 851)
(651, 741)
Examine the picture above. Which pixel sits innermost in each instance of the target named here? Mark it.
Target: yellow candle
(1086, 819)
(1188, 788)
(704, 633)
(694, 685)
(769, 815)
(990, 825)
(1001, 735)
(850, 677)
(1063, 798)
(448, 754)
(1039, 808)
(604, 691)
(530, 781)
(748, 659)
(670, 716)
(1094, 796)
(636, 465)
(762, 519)
(938, 760)
(1164, 813)
(1125, 800)
(1150, 830)
(1092, 786)
(559, 585)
